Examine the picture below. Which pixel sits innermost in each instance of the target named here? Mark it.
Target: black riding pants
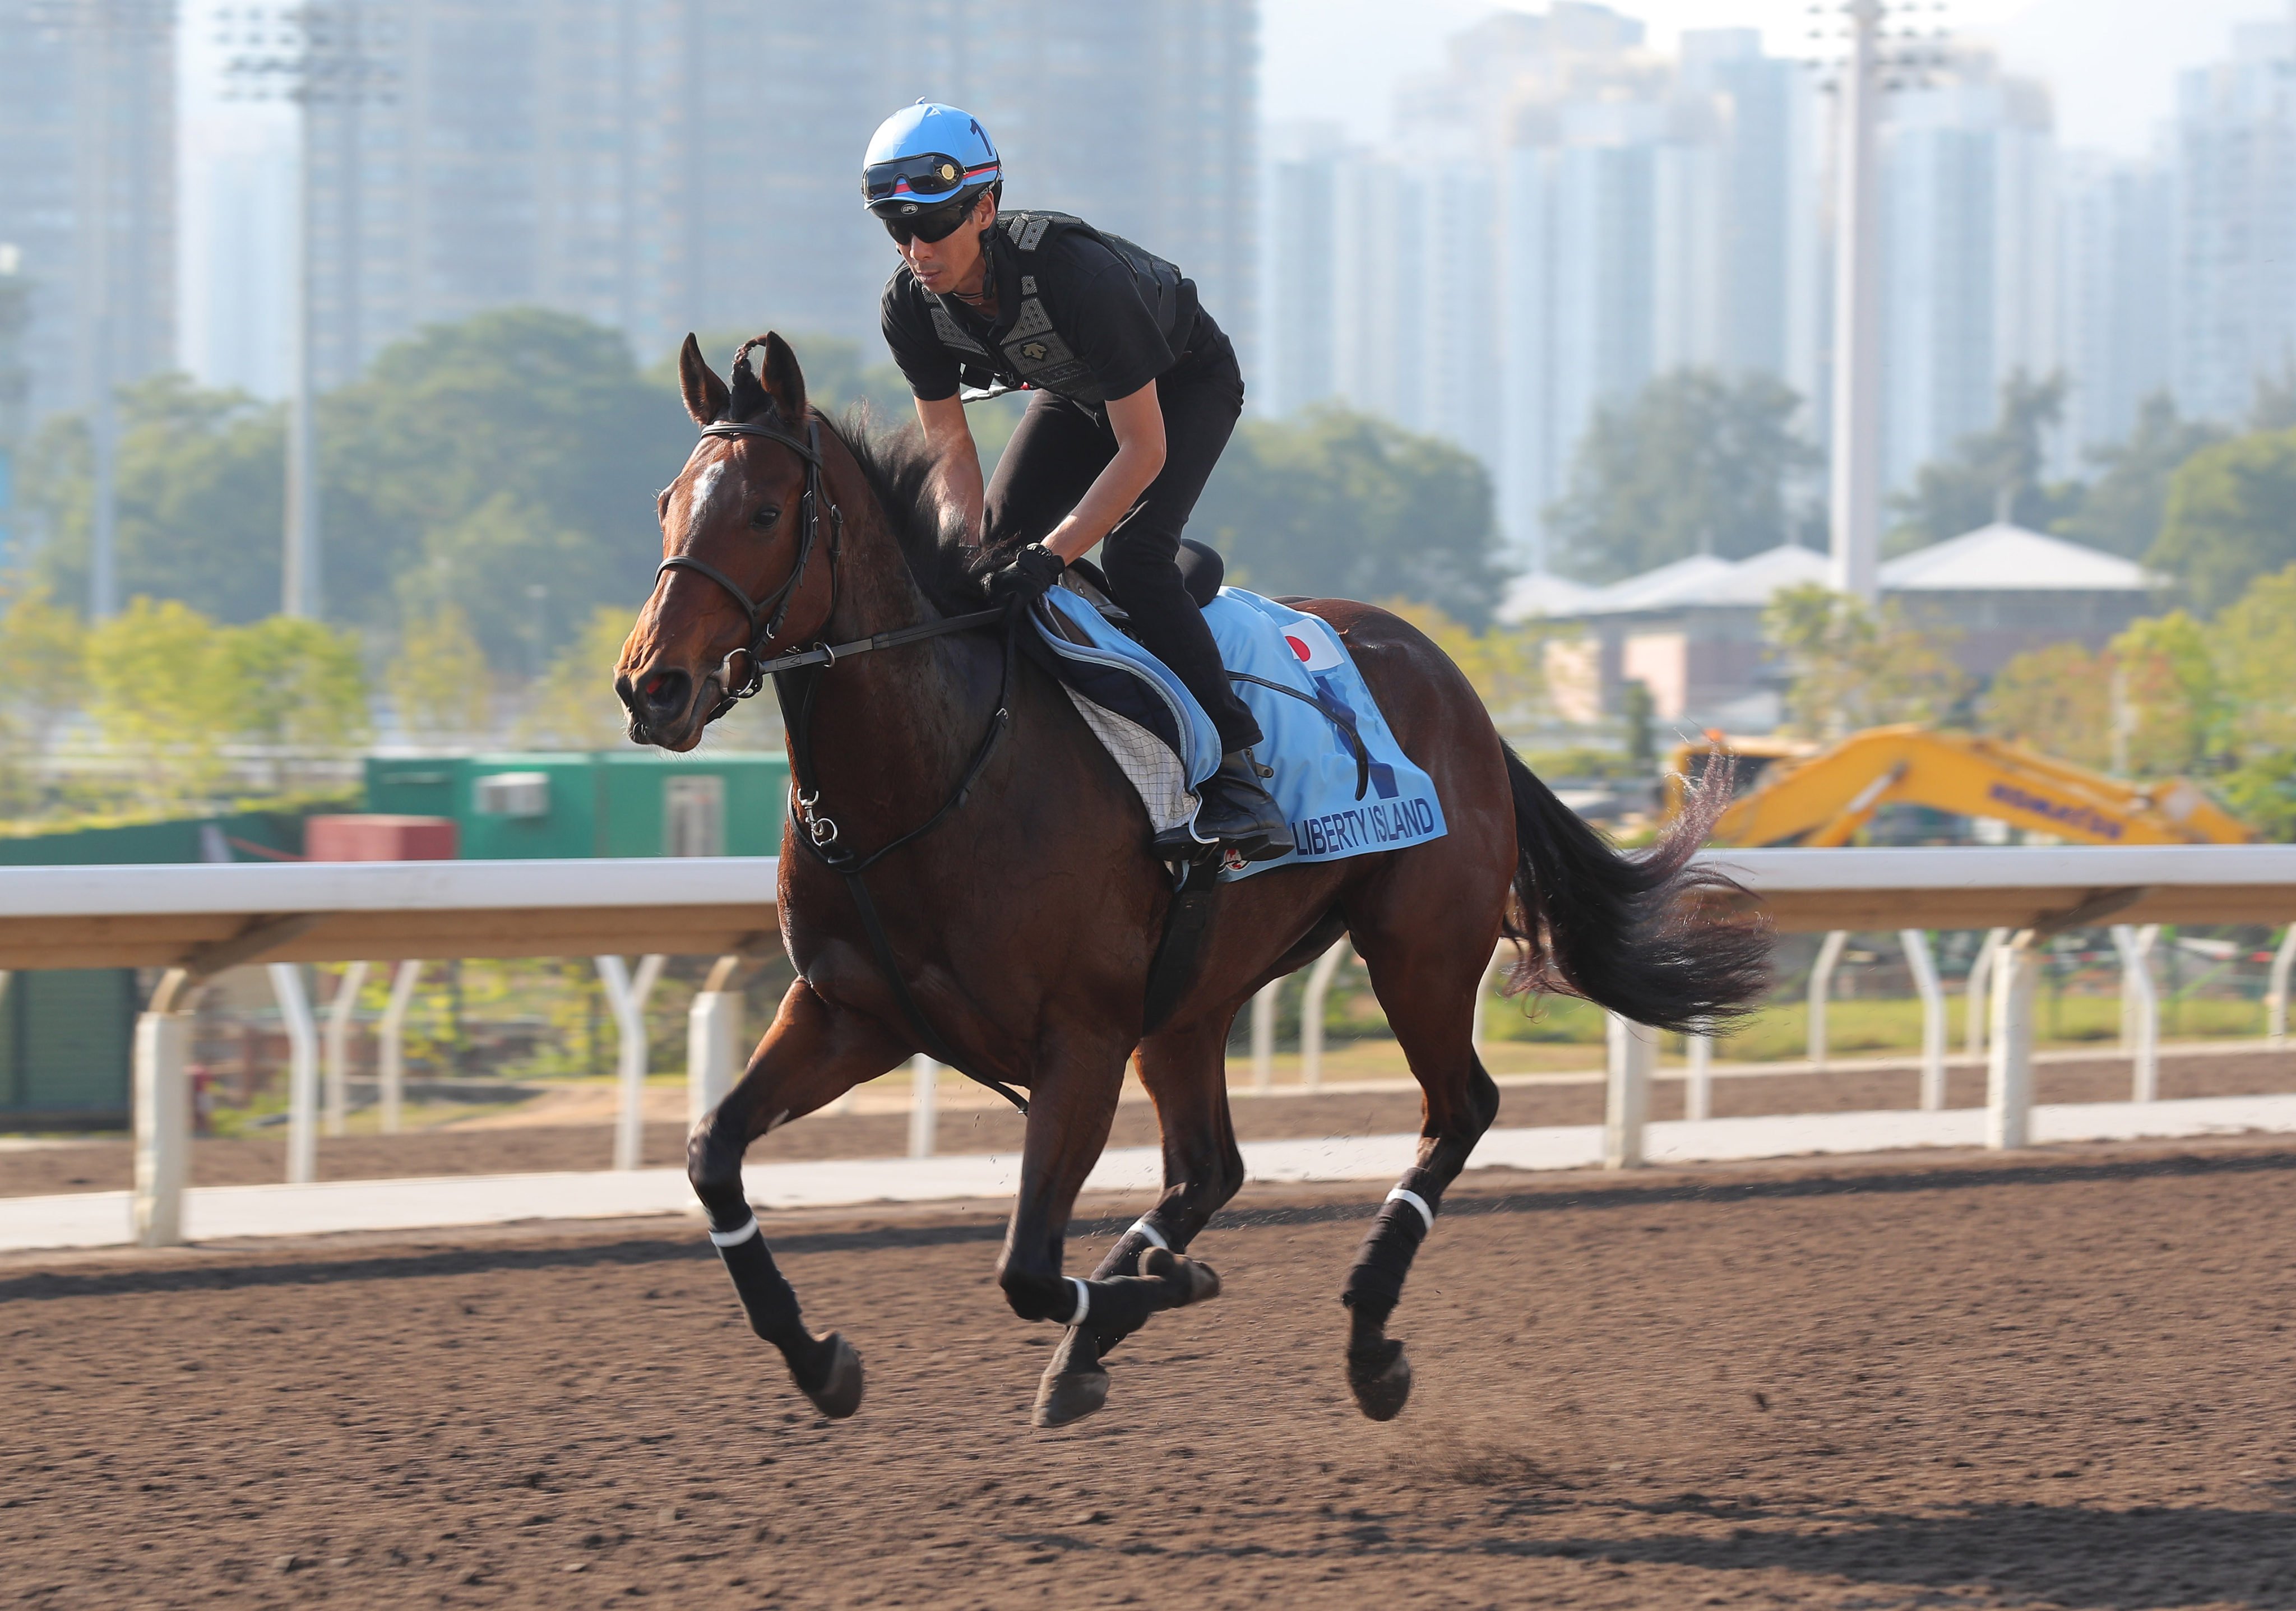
(1057, 450)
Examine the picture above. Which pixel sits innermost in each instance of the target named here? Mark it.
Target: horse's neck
(891, 729)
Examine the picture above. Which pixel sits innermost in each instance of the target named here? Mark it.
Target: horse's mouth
(681, 732)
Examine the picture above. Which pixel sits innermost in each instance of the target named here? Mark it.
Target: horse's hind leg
(1185, 1073)
(812, 1054)
(1429, 984)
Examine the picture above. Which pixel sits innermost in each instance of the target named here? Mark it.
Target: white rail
(193, 921)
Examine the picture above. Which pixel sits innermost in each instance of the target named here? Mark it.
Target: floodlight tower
(1854, 500)
(1868, 69)
(308, 55)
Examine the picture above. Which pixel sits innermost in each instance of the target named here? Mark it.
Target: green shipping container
(517, 806)
(67, 1039)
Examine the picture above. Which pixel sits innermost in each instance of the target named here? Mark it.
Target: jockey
(1137, 390)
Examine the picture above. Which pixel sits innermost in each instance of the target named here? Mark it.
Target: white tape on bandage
(1151, 1232)
(1400, 1195)
(1084, 1300)
(734, 1238)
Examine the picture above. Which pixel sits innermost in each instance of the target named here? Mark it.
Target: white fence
(193, 921)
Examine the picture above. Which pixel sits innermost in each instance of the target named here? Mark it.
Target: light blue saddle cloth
(1339, 800)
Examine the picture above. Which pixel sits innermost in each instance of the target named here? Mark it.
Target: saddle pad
(1166, 745)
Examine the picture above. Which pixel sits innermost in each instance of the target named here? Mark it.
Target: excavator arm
(1826, 798)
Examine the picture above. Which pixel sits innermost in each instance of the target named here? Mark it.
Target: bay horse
(1020, 930)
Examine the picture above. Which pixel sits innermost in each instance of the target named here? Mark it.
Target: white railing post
(924, 1105)
(340, 1013)
(2276, 1004)
(302, 1072)
(1978, 996)
(1263, 1035)
(1821, 981)
(1626, 1103)
(163, 1116)
(2140, 1008)
(1923, 965)
(390, 1045)
(1311, 1014)
(1698, 1076)
(2009, 1072)
(626, 998)
(713, 1039)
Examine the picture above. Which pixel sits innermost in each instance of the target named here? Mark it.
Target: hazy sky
(2111, 62)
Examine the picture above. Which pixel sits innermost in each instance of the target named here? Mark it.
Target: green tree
(297, 684)
(2122, 509)
(1856, 667)
(1989, 474)
(200, 490)
(163, 692)
(2231, 519)
(575, 707)
(2057, 700)
(1696, 463)
(1342, 505)
(42, 651)
(518, 447)
(438, 682)
(2168, 696)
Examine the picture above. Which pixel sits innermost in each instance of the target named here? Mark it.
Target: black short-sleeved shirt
(1090, 294)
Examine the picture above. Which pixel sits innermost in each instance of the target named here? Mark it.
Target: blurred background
(1745, 368)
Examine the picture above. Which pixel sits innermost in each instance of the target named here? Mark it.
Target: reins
(821, 835)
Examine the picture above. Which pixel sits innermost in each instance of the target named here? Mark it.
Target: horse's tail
(1648, 936)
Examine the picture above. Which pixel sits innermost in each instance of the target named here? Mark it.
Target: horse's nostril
(667, 692)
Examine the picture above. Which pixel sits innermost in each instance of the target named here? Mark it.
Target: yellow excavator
(1791, 793)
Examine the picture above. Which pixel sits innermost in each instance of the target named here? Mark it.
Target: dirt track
(500, 1148)
(2063, 1380)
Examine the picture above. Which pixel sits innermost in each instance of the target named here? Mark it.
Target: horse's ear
(699, 385)
(785, 382)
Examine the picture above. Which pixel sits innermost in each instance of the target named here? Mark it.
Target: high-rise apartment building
(2234, 158)
(2115, 231)
(666, 165)
(1969, 257)
(87, 192)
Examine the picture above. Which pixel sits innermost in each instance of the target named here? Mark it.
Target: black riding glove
(1026, 576)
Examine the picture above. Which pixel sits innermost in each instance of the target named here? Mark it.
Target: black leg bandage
(764, 1292)
(1375, 1281)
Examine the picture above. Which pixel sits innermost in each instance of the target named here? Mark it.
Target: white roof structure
(2003, 558)
(1999, 558)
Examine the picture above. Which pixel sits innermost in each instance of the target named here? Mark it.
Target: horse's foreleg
(1069, 1119)
(1185, 1072)
(812, 1054)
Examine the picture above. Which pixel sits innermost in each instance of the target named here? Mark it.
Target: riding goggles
(930, 223)
(925, 175)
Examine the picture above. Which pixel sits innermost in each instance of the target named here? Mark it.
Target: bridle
(764, 628)
(820, 833)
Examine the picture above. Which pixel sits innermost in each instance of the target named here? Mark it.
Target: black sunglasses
(930, 225)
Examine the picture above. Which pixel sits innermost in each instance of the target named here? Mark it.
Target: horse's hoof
(1381, 1379)
(838, 1392)
(1069, 1395)
(1188, 1280)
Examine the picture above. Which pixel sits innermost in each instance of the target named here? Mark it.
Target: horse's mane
(900, 470)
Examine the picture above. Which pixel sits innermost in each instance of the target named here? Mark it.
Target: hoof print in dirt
(1067, 1395)
(1381, 1379)
(836, 1392)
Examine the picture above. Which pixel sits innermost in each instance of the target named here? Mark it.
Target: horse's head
(745, 564)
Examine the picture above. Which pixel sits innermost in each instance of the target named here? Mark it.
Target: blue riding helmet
(925, 157)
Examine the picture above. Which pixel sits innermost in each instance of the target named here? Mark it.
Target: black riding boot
(1238, 810)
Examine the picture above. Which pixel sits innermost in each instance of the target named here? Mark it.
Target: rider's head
(931, 175)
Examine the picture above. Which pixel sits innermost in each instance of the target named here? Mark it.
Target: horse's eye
(763, 519)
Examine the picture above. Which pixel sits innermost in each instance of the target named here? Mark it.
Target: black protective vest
(1033, 352)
